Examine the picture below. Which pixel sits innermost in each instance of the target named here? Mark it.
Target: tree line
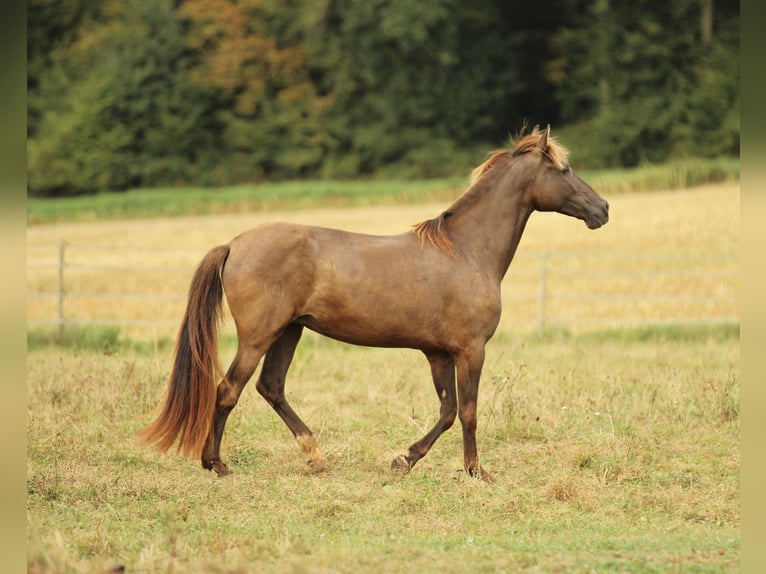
(145, 93)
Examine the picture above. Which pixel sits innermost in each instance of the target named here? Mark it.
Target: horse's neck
(489, 228)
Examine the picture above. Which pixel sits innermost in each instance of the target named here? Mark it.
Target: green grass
(166, 202)
(76, 337)
(109, 338)
(676, 175)
(612, 451)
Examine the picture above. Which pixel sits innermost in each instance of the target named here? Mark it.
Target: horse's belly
(372, 330)
(419, 323)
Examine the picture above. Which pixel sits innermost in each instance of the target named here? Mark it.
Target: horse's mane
(435, 230)
(558, 154)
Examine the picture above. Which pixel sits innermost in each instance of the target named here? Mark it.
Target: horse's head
(556, 187)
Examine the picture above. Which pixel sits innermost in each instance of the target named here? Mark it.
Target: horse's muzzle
(598, 217)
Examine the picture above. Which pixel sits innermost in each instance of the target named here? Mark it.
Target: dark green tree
(138, 93)
(638, 76)
(119, 110)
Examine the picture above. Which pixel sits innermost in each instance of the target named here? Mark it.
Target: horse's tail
(187, 413)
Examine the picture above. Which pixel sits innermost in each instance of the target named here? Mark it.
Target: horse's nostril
(606, 206)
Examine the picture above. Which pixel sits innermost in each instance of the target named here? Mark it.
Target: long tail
(189, 405)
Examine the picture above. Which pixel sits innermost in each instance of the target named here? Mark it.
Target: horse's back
(284, 245)
(295, 260)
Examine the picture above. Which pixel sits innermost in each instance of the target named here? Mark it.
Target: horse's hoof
(482, 475)
(318, 466)
(401, 465)
(219, 467)
(486, 477)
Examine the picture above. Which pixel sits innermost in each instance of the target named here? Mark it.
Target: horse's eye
(566, 170)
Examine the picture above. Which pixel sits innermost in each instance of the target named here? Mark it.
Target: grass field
(613, 450)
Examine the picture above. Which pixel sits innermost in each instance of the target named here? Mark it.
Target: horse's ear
(535, 130)
(542, 143)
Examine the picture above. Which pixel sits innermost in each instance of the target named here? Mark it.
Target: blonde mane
(493, 158)
(435, 230)
(558, 154)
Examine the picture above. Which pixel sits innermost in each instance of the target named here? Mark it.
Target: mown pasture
(613, 450)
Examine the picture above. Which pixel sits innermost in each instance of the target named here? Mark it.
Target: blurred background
(126, 94)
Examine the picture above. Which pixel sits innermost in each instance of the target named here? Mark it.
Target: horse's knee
(468, 418)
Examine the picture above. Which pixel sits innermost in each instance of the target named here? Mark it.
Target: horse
(434, 288)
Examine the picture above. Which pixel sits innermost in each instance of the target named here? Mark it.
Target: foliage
(123, 106)
(140, 93)
(644, 85)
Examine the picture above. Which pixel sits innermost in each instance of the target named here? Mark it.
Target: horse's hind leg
(443, 373)
(271, 386)
(229, 389)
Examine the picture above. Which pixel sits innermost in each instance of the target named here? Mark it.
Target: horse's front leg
(443, 373)
(469, 364)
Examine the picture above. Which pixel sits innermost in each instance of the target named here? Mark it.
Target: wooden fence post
(543, 289)
(60, 322)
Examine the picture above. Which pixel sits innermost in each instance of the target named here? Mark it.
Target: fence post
(543, 289)
(60, 322)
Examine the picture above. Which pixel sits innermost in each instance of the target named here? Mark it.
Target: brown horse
(435, 288)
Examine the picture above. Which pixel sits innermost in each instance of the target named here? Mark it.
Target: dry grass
(609, 454)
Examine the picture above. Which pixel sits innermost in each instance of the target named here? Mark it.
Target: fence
(143, 290)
